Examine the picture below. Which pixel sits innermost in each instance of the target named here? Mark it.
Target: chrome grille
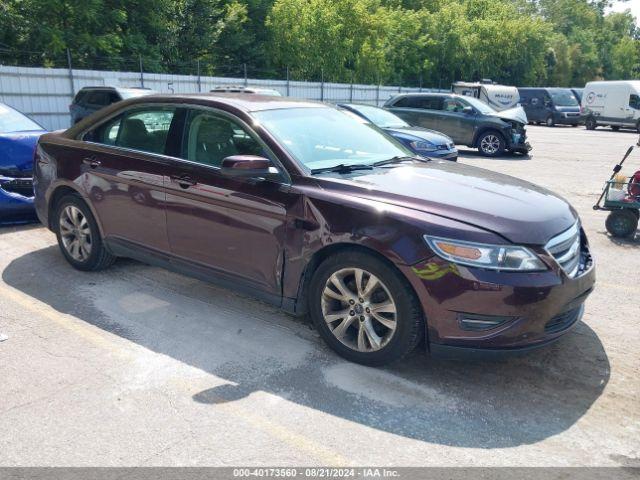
(566, 249)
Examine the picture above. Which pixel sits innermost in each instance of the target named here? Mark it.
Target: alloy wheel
(359, 310)
(490, 144)
(75, 233)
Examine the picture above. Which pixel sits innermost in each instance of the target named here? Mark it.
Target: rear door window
(141, 129)
(420, 101)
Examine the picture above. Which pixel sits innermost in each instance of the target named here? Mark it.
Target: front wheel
(590, 123)
(615, 128)
(78, 235)
(491, 144)
(364, 309)
(622, 223)
(550, 122)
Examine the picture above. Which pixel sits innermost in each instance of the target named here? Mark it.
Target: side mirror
(247, 166)
(467, 110)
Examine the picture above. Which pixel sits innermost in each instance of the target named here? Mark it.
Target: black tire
(590, 123)
(549, 121)
(622, 223)
(409, 323)
(615, 128)
(98, 257)
(487, 138)
(638, 126)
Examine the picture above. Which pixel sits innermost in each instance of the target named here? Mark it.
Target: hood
(417, 133)
(512, 114)
(515, 209)
(16, 152)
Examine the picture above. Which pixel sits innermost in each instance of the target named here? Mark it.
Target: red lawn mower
(621, 197)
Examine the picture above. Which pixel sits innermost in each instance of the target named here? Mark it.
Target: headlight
(494, 257)
(423, 146)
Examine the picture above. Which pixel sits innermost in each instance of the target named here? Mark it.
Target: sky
(633, 5)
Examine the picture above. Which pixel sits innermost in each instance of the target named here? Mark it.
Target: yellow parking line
(93, 334)
(295, 440)
(101, 339)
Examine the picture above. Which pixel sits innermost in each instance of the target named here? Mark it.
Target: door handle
(92, 162)
(185, 181)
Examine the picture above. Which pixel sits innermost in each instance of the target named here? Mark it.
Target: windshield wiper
(400, 159)
(343, 168)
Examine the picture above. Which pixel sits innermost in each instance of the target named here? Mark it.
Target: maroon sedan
(319, 213)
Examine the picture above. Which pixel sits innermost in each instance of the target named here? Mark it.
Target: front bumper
(518, 141)
(534, 309)
(566, 119)
(16, 201)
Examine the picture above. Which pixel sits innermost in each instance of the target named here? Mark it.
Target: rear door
(124, 170)
(235, 226)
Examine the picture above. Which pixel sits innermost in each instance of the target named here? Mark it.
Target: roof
(112, 87)
(241, 101)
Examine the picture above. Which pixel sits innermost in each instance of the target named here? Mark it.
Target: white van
(499, 97)
(615, 103)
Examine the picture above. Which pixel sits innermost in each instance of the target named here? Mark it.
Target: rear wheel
(78, 235)
(364, 309)
(590, 123)
(622, 223)
(491, 144)
(638, 126)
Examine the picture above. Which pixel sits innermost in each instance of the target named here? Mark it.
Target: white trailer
(613, 103)
(499, 97)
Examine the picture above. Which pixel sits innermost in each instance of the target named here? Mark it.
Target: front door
(124, 175)
(236, 226)
(456, 122)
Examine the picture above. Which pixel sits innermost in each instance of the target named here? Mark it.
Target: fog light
(475, 323)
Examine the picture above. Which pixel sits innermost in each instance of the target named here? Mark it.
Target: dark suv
(92, 99)
(320, 213)
(467, 120)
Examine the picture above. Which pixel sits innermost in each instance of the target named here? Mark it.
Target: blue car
(18, 138)
(422, 141)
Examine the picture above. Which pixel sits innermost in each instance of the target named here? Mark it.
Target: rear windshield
(13, 121)
(563, 98)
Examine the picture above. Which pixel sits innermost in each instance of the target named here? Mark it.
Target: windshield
(563, 98)
(13, 121)
(321, 137)
(479, 105)
(380, 117)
